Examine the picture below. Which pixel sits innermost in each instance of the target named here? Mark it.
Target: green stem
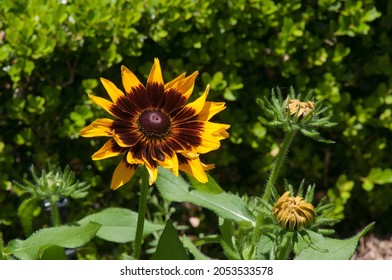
(278, 164)
(55, 215)
(271, 183)
(141, 214)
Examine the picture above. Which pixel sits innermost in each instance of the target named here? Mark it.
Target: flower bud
(293, 213)
(303, 108)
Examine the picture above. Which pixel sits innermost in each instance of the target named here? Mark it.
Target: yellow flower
(303, 108)
(293, 212)
(154, 126)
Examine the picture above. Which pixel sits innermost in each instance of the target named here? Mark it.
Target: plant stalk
(141, 213)
(55, 214)
(278, 164)
(271, 182)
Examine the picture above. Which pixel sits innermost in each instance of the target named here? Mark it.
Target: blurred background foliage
(52, 53)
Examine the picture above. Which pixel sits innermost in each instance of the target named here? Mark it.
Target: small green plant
(52, 186)
(280, 223)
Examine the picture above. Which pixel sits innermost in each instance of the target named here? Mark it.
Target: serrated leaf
(226, 228)
(169, 245)
(63, 236)
(315, 135)
(118, 224)
(323, 248)
(264, 246)
(225, 205)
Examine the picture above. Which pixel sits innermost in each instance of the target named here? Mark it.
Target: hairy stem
(55, 215)
(271, 182)
(278, 164)
(141, 214)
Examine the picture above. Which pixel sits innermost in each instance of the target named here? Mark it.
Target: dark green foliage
(169, 246)
(64, 236)
(52, 55)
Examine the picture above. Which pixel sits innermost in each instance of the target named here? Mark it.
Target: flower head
(303, 108)
(296, 113)
(53, 184)
(154, 126)
(293, 212)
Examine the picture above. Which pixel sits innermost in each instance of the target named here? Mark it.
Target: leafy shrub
(53, 52)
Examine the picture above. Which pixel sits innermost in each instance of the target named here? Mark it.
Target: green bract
(277, 114)
(54, 184)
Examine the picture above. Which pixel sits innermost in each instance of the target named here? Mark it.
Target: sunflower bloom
(293, 212)
(154, 126)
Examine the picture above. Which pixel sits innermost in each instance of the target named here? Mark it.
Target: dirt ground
(373, 248)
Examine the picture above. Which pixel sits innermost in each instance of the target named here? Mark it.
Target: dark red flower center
(154, 123)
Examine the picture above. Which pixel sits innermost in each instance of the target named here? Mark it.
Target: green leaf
(54, 253)
(225, 205)
(188, 244)
(118, 224)
(169, 245)
(227, 232)
(218, 82)
(264, 246)
(64, 236)
(1, 247)
(322, 248)
(26, 214)
(35, 104)
(371, 15)
(377, 176)
(368, 186)
(211, 186)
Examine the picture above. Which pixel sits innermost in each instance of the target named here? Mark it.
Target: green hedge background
(53, 52)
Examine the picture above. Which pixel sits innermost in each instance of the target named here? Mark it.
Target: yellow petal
(185, 86)
(99, 127)
(207, 166)
(210, 109)
(194, 168)
(112, 90)
(190, 154)
(170, 163)
(198, 104)
(120, 141)
(210, 139)
(103, 103)
(152, 170)
(133, 160)
(153, 174)
(216, 129)
(208, 144)
(171, 83)
(129, 80)
(107, 150)
(122, 174)
(155, 75)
